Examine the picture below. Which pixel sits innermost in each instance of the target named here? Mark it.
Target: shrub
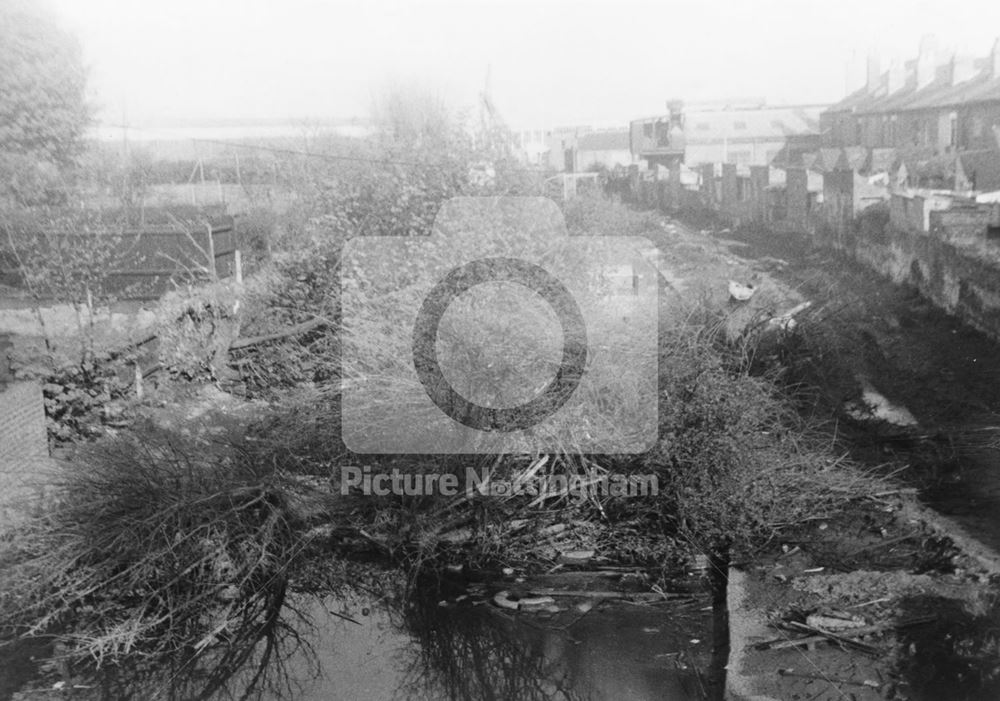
(736, 462)
(162, 550)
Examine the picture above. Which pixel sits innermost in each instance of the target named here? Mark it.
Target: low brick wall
(26, 470)
(947, 247)
(963, 278)
(22, 422)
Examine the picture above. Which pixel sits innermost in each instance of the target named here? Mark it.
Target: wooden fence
(141, 263)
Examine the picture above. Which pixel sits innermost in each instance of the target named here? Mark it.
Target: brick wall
(22, 422)
(838, 199)
(909, 213)
(730, 202)
(947, 248)
(797, 197)
(961, 224)
(759, 203)
(25, 466)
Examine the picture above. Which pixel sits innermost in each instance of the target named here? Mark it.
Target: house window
(739, 126)
(663, 134)
(977, 128)
(647, 130)
(740, 158)
(702, 126)
(953, 138)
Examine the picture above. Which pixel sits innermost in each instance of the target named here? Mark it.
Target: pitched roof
(826, 159)
(981, 169)
(939, 93)
(912, 155)
(937, 171)
(882, 160)
(852, 158)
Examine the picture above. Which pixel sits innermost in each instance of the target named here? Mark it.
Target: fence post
(211, 253)
(238, 266)
(138, 381)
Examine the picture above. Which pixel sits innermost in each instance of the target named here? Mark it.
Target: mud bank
(877, 605)
(864, 332)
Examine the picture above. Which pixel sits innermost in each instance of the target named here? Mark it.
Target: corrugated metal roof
(604, 141)
(768, 123)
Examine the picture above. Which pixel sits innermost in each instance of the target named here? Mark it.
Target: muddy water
(354, 646)
(625, 652)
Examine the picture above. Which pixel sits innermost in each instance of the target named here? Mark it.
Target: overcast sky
(551, 62)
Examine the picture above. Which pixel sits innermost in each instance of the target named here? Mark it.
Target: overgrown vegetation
(167, 551)
(161, 551)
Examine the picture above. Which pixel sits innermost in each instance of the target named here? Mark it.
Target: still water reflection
(316, 647)
(426, 651)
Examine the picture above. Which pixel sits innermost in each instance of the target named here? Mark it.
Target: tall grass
(160, 550)
(739, 463)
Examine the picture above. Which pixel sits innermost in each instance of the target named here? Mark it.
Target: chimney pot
(963, 68)
(897, 76)
(874, 74)
(926, 61)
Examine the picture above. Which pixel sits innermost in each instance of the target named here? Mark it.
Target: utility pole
(126, 156)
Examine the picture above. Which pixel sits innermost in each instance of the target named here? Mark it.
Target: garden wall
(946, 246)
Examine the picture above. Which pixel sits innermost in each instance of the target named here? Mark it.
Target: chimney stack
(963, 68)
(897, 76)
(874, 74)
(854, 74)
(926, 61)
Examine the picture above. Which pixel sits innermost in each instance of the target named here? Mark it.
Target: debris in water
(786, 321)
(503, 600)
(576, 557)
(873, 406)
(740, 292)
(833, 623)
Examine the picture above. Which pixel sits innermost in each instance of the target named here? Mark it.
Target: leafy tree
(414, 116)
(43, 110)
